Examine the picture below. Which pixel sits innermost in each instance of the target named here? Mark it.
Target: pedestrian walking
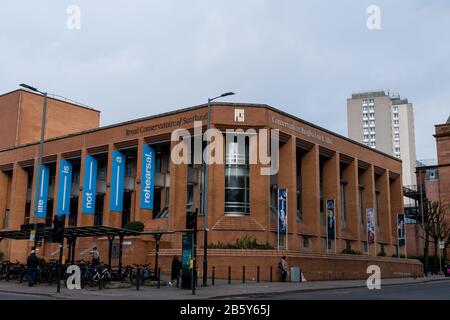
(176, 268)
(32, 265)
(283, 268)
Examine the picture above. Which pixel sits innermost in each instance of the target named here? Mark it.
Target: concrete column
(287, 178)
(142, 215)
(177, 198)
(311, 196)
(331, 191)
(382, 184)
(18, 249)
(83, 219)
(368, 181)
(4, 178)
(216, 197)
(396, 200)
(259, 201)
(350, 175)
(110, 218)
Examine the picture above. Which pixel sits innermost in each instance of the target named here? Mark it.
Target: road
(14, 296)
(434, 290)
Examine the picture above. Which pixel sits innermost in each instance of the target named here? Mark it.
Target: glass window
(348, 244)
(102, 170)
(361, 205)
(366, 247)
(6, 219)
(274, 195)
(322, 209)
(377, 204)
(129, 167)
(237, 178)
(343, 201)
(305, 241)
(190, 197)
(299, 187)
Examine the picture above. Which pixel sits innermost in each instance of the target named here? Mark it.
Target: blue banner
(117, 181)
(370, 219)
(42, 192)
(331, 220)
(282, 211)
(64, 188)
(89, 185)
(148, 177)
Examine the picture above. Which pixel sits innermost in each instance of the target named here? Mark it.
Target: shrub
(382, 254)
(247, 242)
(350, 251)
(134, 226)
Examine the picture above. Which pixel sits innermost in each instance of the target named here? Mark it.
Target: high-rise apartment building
(384, 121)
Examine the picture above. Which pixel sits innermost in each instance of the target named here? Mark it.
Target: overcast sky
(138, 58)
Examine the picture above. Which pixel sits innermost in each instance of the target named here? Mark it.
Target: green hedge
(247, 242)
(134, 226)
(350, 251)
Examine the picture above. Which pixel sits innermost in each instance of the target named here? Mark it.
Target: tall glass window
(274, 195)
(299, 187)
(377, 204)
(343, 202)
(361, 204)
(322, 200)
(237, 184)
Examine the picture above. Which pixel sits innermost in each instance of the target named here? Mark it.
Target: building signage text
(164, 125)
(300, 129)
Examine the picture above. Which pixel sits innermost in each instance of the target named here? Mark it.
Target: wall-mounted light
(80, 188)
(138, 181)
(108, 184)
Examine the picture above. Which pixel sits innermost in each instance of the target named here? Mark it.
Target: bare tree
(437, 227)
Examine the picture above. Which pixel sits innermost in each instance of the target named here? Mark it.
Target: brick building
(315, 165)
(433, 178)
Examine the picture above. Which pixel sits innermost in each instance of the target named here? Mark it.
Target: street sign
(441, 245)
(32, 235)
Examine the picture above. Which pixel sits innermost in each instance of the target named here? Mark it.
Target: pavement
(431, 290)
(221, 290)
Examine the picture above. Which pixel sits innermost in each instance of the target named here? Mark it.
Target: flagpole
(367, 232)
(287, 216)
(404, 226)
(375, 225)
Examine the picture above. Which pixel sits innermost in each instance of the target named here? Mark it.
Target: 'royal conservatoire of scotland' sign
(148, 177)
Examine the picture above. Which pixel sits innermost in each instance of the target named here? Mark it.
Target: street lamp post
(205, 195)
(425, 235)
(41, 148)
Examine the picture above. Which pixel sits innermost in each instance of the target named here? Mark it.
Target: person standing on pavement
(95, 257)
(32, 265)
(283, 268)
